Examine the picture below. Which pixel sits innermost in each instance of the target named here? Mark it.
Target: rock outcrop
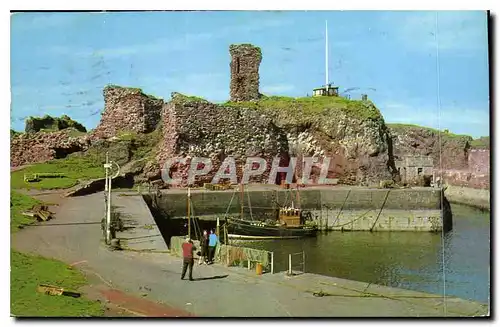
(52, 124)
(352, 133)
(36, 147)
(128, 109)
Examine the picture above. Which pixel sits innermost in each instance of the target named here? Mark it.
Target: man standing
(212, 243)
(204, 248)
(187, 252)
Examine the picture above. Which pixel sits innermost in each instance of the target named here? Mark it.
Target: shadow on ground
(209, 278)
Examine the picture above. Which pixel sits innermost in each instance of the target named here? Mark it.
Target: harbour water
(411, 260)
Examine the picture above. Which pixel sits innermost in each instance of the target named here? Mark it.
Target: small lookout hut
(328, 90)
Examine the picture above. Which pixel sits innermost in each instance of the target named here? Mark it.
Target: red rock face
(40, 147)
(128, 109)
(479, 161)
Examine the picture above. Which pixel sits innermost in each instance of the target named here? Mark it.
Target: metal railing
(301, 264)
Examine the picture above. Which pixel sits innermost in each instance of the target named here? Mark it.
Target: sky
(423, 67)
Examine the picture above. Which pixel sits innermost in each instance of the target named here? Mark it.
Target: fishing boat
(289, 223)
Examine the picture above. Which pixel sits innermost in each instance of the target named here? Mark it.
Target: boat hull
(240, 229)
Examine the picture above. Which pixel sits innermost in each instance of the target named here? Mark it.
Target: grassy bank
(29, 271)
(73, 169)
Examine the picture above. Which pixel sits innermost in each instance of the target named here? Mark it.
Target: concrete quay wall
(416, 209)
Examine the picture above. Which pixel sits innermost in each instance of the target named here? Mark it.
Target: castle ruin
(245, 62)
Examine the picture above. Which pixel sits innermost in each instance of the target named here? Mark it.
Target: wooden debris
(40, 212)
(56, 291)
(217, 187)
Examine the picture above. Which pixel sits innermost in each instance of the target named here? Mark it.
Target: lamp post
(107, 191)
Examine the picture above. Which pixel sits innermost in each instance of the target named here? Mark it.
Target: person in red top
(187, 252)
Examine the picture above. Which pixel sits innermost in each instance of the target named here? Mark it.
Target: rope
(361, 216)
(249, 205)
(230, 202)
(197, 228)
(436, 36)
(381, 208)
(342, 207)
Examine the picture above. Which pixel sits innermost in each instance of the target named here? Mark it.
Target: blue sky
(60, 62)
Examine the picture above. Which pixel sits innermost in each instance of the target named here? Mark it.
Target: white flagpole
(326, 55)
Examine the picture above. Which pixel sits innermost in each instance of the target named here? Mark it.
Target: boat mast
(241, 200)
(326, 56)
(188, 212)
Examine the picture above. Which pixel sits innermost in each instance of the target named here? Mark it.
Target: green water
(411, 260)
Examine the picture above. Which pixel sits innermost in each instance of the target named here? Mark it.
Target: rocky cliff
(460, 159)
(352, 133)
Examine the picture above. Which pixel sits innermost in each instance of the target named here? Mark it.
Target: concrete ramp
(140, 230)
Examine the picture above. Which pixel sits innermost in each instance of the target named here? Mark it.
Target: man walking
(212, 243)
(187, 252)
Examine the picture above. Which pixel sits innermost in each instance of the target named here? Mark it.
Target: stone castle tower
(245, 62)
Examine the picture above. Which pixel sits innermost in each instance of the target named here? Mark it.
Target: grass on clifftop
(445, 134)
(481, 143)
(310, 105)
(29, 271)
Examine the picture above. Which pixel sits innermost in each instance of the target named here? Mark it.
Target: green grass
(312, 105)
(445, 134)
(481, 143)
(29, 271)
(179, 97)
(74, 168)
(20, 203)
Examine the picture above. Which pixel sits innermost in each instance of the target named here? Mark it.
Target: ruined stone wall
(128, 109)
(245, 62)
(198, 128)
(41, 146)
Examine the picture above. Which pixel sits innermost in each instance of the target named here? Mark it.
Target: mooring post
(249, 264)
(304, 261)
(272, 263)
(290, 264)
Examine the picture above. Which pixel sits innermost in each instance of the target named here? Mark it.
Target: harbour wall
(356, 209)
(478, 198)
